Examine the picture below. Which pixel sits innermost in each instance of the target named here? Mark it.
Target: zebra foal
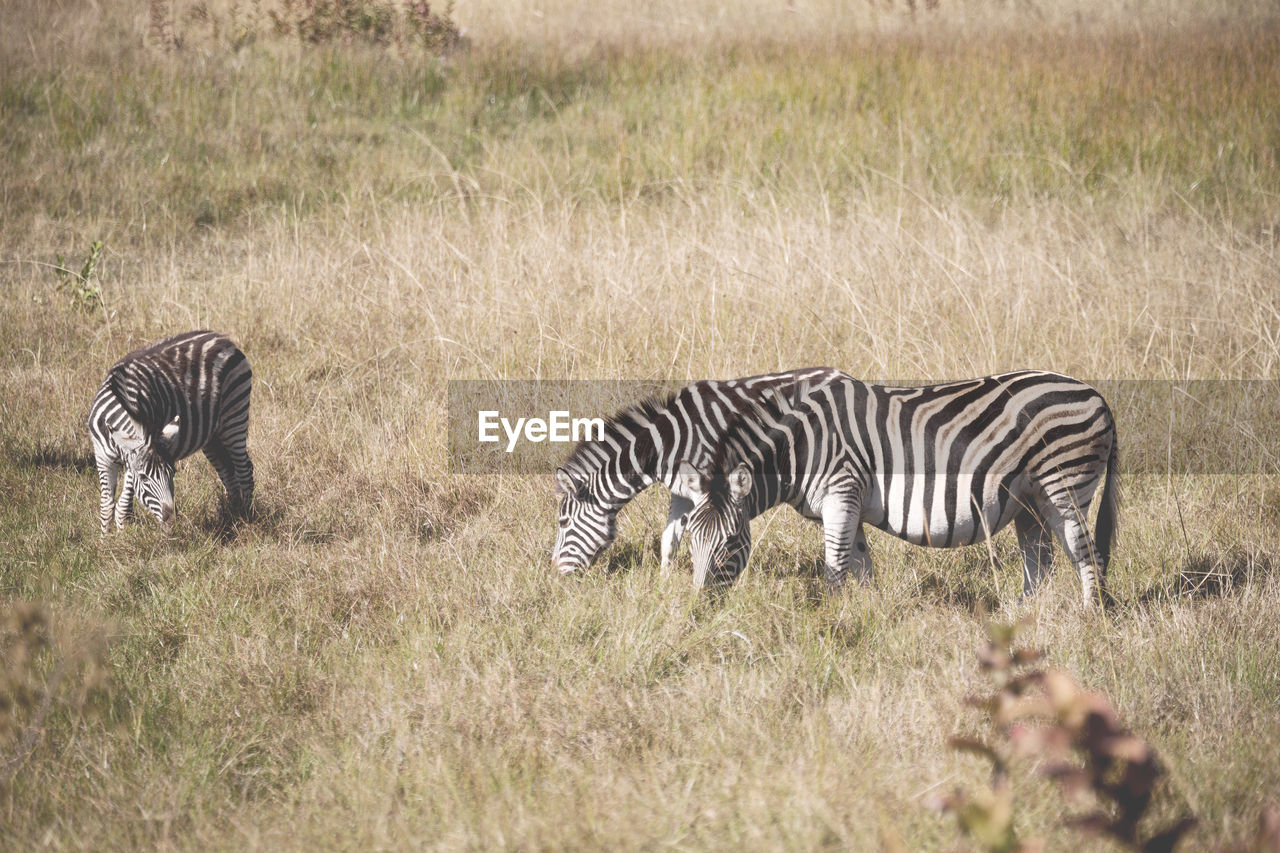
(939, 465)
(161, 403)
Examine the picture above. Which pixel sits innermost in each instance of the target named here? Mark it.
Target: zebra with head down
(643, 445)
(938, 465)
(162, 403)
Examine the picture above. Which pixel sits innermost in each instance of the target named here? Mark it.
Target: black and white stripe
(162, 403)
(643, 445)
(939, 465)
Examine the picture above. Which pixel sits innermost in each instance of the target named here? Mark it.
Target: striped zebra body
(643, 445)
(939, 465)
(160, 404)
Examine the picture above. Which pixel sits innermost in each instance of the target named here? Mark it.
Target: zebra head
(719, 525)
(148, 461)
(587, 526)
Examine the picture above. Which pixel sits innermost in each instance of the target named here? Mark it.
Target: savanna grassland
(382, 657)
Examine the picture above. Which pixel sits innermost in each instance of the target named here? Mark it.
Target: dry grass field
(383, 658)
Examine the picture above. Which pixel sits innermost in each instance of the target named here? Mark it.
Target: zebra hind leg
(223, 463)
(244, 473)
(242, 466)
(1070, 526)
(1036, 545)
(862, 557)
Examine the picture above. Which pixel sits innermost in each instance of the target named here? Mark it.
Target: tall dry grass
(382, 658)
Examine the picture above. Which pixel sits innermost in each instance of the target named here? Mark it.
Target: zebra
(642, 445)
(162, 403)
(939, 465)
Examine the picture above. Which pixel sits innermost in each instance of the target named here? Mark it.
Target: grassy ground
(383, 658)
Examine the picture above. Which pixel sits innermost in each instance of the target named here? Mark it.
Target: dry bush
(1074, 736)
(402, 24)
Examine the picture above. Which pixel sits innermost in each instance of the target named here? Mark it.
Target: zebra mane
(633, 420)
(758, 416)
(633, 428)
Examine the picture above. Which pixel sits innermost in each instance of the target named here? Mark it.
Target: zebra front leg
(841, 532)
(124, 506)
(1036, 546)
(671, 534)
(861, 558)
(108, 476)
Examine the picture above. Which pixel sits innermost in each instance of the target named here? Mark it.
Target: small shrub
(1076, 736)
(86, 295)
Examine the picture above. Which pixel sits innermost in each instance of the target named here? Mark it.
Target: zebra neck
(614, 475)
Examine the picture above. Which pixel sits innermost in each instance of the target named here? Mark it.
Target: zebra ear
(740, 481)
(689, 481)
(564, 483)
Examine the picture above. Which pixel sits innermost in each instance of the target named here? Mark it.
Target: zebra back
(926, 455)
(200, 380)
(646, 443)
(938, 465)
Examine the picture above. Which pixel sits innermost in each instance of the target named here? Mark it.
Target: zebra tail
(1108, 513)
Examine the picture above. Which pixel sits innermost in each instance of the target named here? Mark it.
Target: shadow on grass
(273, 519)
(225, 524)
(624, 556)
(957, 591)
(1205, 576)
(963, 586)
(78, 460)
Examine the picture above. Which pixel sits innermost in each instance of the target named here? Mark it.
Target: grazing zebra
(162, 403)
(939, 465)
(643, 445)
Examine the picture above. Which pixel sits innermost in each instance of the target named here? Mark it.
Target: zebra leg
(861, 556)
(221, 461)
(108, 476)
(234, 469)
(1070, 525)
(671, 534)
(244, 472)
(124, 506)
(840, 531)
(1036, 546)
